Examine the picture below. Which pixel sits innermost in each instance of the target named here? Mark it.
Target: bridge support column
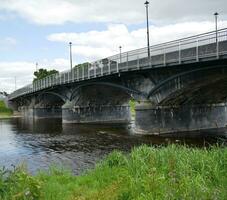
(26, 112)
(159, 120)
(39, 112)
(96, 114)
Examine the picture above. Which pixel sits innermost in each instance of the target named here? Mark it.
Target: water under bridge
(181, 87)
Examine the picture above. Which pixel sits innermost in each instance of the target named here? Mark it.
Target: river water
(42, 143)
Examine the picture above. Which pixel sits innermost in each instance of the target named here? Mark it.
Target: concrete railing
(187, 50)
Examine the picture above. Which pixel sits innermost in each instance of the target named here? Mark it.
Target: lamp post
(216, 26)
(15, 83)
(70, 55)
(216, 30)
(120, 47)
(148, 36)
(36, 66)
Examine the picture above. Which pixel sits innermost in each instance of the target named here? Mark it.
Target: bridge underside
(97, 104)
(168, 100)
(192, 101)
(90, 104)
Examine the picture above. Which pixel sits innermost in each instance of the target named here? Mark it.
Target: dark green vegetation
(132, 105)
(3, 93)
(42, 73)
(172, 172)
(4, 111)
(82, 65)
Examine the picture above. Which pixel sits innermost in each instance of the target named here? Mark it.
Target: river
(42, 143)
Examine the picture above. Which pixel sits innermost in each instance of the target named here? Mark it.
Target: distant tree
(82, 65)
(4, 93)
(42, 73)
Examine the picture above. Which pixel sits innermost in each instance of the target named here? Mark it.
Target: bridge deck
(198, 48)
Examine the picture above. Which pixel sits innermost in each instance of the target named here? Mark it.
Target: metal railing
(186, 50)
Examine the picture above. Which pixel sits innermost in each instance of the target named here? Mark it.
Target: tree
(3, 93)
(42, 73)
(82, 65)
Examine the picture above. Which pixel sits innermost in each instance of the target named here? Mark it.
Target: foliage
(172, 172)
(82, 65)
(42, 73)
(4, 93)
(4, 110)
(132, 104)
(17, 184)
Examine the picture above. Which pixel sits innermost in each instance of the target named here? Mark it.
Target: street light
(148, 37)
(15, 83)
(70, 55)
(216, 26)
(120, 52)
(36, 66)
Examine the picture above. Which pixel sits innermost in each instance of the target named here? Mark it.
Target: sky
(39, 31)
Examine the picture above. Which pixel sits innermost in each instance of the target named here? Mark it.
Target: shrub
(4, 109)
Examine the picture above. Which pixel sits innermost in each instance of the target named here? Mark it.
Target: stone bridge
(181, 87)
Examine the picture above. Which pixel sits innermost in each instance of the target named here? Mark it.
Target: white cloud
(59, 64)
(99, 44)
(117, 11)
(7, 41)
(10, 70)
(23, 71)
(61, 11)
(10, 40)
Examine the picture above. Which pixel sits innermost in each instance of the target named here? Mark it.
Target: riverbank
(172, 172)
(4, 111)
(5, 116)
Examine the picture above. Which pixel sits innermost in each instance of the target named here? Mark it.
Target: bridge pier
(40, 112)
(164, 119)
(96, 114)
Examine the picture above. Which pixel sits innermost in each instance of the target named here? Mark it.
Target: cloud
(8, 41)
(10, 70)
(23, 71)
(59, 64)
(127, 11)
(99, 44)
(59, 11)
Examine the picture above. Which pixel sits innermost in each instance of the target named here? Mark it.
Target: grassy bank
(4, 111)
(171, 172)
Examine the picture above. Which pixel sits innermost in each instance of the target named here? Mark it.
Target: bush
(4, 109)
(18, 184)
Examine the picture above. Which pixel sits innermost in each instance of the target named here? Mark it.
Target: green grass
(172, 172)
(4, 111)
(132, 105)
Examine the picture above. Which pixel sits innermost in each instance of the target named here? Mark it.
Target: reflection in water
(41, 143)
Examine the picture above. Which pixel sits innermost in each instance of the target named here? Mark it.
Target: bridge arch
(62, 97)
(179, 85)
(129, 91)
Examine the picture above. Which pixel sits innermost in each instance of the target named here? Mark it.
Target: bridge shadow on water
(122, 132)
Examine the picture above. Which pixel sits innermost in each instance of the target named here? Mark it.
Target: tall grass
(4, 111)
(172, 172)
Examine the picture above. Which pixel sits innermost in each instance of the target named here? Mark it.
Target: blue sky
(39, 31)
(31, 43)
